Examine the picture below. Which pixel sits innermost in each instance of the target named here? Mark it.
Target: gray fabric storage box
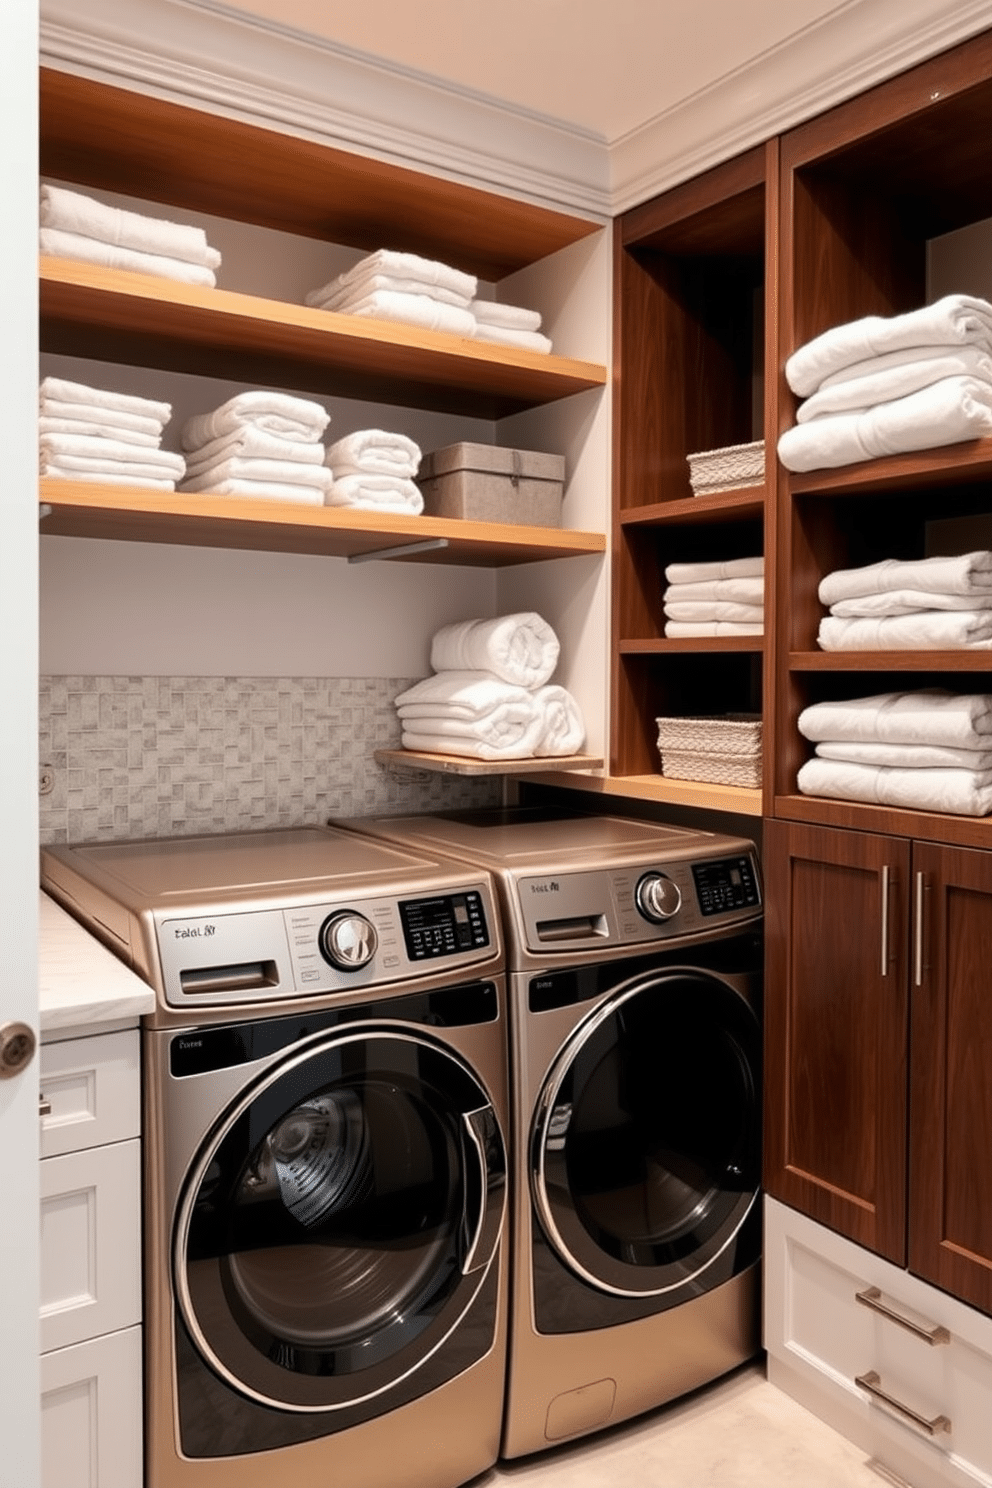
(483, 483)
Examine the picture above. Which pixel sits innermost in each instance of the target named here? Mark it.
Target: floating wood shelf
(454, 764)
(739, 800)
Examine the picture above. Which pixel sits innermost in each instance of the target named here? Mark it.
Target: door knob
(17, 1046)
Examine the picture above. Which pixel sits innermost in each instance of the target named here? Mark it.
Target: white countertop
(82, 985)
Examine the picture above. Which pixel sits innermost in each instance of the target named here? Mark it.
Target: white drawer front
(91, 1414)
(93, 1086)
(90, 1243)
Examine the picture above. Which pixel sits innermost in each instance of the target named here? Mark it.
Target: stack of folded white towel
(927, 604)
(93, 434)
(509, 325)
(389, 285)
(374, 471)
(930, 750)
(884, 386)
(80, 227)
(491, 696)
(715, 599)
(262, 444)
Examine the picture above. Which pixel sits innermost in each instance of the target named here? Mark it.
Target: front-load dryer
(325, 1119)
(634, 954)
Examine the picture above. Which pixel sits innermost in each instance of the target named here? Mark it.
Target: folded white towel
(414, 309)
(520, 648)
(519, 340)
(470, 746)
(961, 573)
(256, 490)
(256, 468)
(53, 469)
(908, 602)
(955, 320)
(740, 591)
(470, 713)
(703, 573)
(907, 756)
(71, 211)
(280, 414)
(97, 430)
(374, 452)
(141, 466)
(715, 609)
(376, 493)
(895, 381)
(564, 729)
(925, 716)
(509, 317)
(252, 442)
(58, 244)
(957, 792)
(684, 629)
(58, 390)
(926, 630)
(465, 693)
(338, 296)
(110, 452)
(946, 412)
(427, 271)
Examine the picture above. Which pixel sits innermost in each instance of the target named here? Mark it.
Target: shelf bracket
(401, 550)
(44, 510)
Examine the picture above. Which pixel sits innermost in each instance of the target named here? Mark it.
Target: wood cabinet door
(836, 1029)
(950, 1224)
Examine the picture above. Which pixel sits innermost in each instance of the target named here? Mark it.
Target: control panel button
(348, 940)
(658, 897)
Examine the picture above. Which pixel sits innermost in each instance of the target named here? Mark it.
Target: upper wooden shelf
(951, 464)
(139, 320)
(88, 509)
(721, 507)
(667, 647)
(890, 661)
(119, 139)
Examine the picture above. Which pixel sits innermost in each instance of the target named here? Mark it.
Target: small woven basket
(734, 467)
(720, 750)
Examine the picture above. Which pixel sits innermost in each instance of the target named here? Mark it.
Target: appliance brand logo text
(550, 886)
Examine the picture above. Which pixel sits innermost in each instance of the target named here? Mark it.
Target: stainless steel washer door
(340, 1219)
(646, 1139)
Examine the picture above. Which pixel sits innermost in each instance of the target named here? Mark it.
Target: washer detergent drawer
(908, 1367)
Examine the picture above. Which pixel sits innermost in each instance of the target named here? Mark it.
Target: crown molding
(203, 53)
(860, 44)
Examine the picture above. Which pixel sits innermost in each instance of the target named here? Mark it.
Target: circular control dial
(348, 940)
(658, 898)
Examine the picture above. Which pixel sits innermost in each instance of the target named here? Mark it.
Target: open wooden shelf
(140, 320)
(951, 464)
(457, 764)
(691, 793)
(682, 644)
(722, 506)
(88, 509)
(890, 661)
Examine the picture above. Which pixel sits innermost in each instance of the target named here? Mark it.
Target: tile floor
(738, 1433)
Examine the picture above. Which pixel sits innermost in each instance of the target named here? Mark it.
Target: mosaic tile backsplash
(172, 756)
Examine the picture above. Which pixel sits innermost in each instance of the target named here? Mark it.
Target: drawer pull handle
(885, 920)
(44, 1105)
(930, 1427)
(932, 1333)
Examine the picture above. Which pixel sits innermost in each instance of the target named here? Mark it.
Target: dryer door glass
(339, 1223)
(646, 1149)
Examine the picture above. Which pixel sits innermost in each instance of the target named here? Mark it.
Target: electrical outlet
(46, 780)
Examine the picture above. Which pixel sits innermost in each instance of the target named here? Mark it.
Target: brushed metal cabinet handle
(918, 931)
(929, 1426)
(885, 920)
(932, 1333)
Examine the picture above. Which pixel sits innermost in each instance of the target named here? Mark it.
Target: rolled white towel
(94, 429)
(471, 713)
(251, 442)
(564, 727)
(467, 694)
(955, 320)
(946, 412)
(907, 756)
(704, 573)
(256, 468)
(398, 265)
(508, 317)
(924, 716)
(338, 296)
(58, 244)
(520, 648)
(927, 630)
(962, 573)
(374, 452)
(376, 493)
(277, 413)
(714, 609)
(413, 309)
(895, 380)
(739, 591)
(71, 211)
(110, 452)
(957, 792)
(519, 340)
(256, 490)
(53, 469)
(58, 390)
(685, 629)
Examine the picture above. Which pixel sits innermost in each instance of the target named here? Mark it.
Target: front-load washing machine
(325, 1109)
(634, 955)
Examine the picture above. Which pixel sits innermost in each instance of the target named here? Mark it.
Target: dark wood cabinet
(878, 1019)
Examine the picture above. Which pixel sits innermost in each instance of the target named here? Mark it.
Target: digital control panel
(443, 925)
(726, 884)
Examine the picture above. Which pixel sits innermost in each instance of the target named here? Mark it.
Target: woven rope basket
(736, 465)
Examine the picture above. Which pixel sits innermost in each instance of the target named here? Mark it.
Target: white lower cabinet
(902, 1369)
(91, 1364)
